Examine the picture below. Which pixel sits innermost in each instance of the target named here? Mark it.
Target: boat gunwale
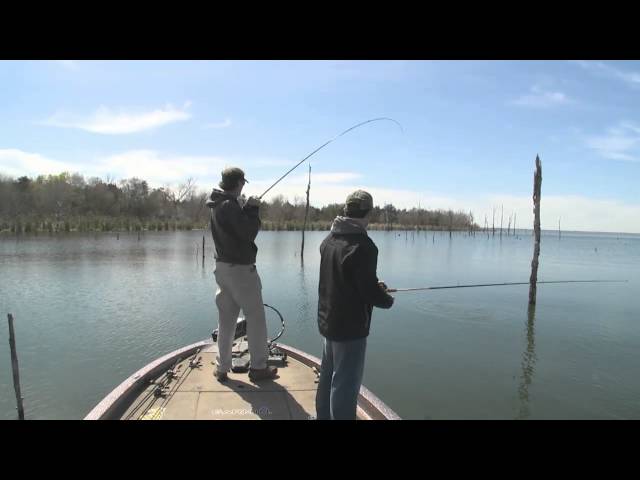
(118, 395)
(369, 403)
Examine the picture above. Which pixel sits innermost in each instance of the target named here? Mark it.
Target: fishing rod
(392, 290)
(324, 145)
(194, 362)
(161, 383)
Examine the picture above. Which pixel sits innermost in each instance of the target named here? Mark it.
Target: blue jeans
(340, 379)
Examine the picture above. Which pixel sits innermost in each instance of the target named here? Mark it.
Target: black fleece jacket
(348, 288)
(234, 229)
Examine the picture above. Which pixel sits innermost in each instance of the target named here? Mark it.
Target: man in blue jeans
(347, 292)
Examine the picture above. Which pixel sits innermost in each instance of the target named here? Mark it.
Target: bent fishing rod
(393, 290)
(324, 145)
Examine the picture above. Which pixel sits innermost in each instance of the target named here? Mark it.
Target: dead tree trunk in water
(471, 232)
(493, 224)
(306, 214)
(501, 218)
(537, 183)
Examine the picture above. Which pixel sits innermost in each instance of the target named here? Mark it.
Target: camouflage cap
(230, 177)
(361, 200)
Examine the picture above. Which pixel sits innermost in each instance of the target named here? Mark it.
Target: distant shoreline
(270, 226)
(267, 226)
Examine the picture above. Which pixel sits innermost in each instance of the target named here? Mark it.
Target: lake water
(92, 309)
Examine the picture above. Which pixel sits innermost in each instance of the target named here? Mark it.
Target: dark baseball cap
(230, 178)
(361, 200)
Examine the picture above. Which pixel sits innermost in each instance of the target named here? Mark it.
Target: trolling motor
(240, 359)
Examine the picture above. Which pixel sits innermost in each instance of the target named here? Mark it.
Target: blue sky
(472, 130)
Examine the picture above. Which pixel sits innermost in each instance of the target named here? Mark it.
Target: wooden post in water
(306, 214)
(493, 224)
(470, 222)
(14, 366)
(537, 183)
(203, 249)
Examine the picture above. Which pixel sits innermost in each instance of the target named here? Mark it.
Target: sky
(470, 132)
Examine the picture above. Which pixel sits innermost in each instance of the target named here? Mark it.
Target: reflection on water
(305, 310)
(528, 364)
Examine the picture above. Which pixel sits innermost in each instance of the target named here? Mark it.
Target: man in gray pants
(234, 229)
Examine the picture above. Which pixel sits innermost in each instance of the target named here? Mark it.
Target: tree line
(69, 202)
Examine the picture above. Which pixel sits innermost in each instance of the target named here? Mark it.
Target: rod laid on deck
(392, 290)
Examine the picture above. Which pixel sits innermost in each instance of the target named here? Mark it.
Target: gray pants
(239, 288)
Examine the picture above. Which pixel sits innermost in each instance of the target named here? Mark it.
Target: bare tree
(183, 191)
